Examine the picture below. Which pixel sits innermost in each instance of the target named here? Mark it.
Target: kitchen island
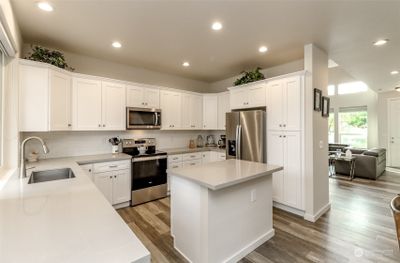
(221, 211)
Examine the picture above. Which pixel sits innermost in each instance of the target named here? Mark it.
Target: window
(352, 87)
(331, 90)
(353, 126)
(331, 126)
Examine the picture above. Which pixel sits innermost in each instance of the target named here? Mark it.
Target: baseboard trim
(316, 216)
(244, 251)
(252, 246)
(122, 205)
(289, 209)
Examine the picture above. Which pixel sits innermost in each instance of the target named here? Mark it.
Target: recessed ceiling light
(45, 6)
(263, 49)
(185, 64)
(216, 26)
(394, 72)
(381, 42)
(116, 44)
(397, 89)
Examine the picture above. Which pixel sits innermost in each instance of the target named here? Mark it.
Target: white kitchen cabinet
(205, 157)
(113, 179)
(44, 97)
(191, 163)
(60, 101)
(284, 149)
(113, 106)
(142, 97)
(210, 112)
(248, 96)
(192, 116)
(98, 105)
(121, 191)
(86, 104)
(170, 104)
(223, 108)
(284, 100)
(88, 168)
(104, 182)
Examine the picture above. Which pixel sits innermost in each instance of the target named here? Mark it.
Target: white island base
(222, 211)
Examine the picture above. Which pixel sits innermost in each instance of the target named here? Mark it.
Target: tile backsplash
(76, 143)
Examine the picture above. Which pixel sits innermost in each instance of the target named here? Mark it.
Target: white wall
(316, 135)
(382, 110)
(98, 67)
(290, 67)
(62, 144)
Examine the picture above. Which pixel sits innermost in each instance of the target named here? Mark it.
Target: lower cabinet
(113, 179)
(284, 149)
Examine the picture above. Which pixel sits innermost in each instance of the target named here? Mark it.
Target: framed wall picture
(325, 106)
(317, 99)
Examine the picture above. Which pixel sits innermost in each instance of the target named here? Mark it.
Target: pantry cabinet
(248, 96)
(98, 105)
(284, 100)
(142, 97)
(284, 149)
(170, 104)
(191, 108)
(210, 112)
(223, 108)
(44, 97)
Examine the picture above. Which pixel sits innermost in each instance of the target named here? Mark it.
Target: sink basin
(51, 175)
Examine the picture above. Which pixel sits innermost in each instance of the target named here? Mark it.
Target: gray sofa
(370, 163)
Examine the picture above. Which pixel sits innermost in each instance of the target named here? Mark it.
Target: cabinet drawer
(111, 166)
(177, 158)
(191, 156)
(191, 163)
(175, 165)
(222, 156)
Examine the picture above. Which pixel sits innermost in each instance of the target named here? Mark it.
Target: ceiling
(160, 35)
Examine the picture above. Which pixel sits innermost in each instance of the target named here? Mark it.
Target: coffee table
(350, 160)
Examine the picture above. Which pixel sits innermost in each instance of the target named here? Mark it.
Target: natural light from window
(352, 87)
(331, 90)
(353, 126)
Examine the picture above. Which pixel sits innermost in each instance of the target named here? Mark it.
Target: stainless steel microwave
(142, 118)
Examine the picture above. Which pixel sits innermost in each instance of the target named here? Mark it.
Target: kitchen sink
(51, 175)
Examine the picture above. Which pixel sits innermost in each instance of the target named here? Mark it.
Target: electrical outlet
(253, 195)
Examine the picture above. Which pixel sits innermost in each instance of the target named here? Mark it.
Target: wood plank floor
(358, 228)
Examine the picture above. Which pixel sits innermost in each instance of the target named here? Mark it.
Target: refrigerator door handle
(239, 142)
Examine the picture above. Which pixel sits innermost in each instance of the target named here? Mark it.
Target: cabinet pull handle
(90, 170)
(280, 125)
(104, 125)
(113, 166)
(69, 124)
(110, 177)
(99, 125)
(284, 125)
(115, 176)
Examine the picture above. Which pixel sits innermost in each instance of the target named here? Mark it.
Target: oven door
(149, 171)
(140, 118)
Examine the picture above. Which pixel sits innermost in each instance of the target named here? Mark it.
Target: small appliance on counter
(115, 141)
(210, 141)
(149, 170)
(222, 141)
(200, 141)
(192, 144)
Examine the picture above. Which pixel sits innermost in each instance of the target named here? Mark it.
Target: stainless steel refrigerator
(245, 135)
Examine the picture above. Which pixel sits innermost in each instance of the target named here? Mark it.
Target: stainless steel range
(149, 170)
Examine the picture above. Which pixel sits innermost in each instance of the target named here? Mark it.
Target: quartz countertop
(218, 175)
(65, 220)
(182, 150)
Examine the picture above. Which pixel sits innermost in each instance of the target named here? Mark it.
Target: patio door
(394, 132)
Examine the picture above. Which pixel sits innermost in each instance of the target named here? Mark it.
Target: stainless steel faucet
(22, 172)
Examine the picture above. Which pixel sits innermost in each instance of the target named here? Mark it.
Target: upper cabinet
(223, 108)
(248, 96)
(210, 111)
(44, 97)
(170, 104)
(142, 97)
(284, 98)
(192, 114)
(98, 105)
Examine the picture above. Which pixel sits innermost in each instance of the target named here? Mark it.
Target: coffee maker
(222, 141)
